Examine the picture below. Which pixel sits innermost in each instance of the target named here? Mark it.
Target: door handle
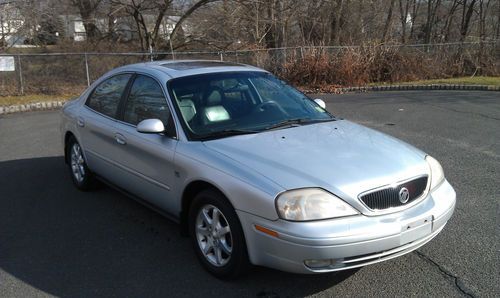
(80, 122)
(120, 139)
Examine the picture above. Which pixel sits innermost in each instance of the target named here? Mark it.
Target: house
(11, 25)
(29, 26)
(124, 27)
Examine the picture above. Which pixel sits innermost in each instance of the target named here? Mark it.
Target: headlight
(437, 174)
(311, 204)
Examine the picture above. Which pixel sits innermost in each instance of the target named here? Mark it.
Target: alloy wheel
(213, 234)
(77, 163)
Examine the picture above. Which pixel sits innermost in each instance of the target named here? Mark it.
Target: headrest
(188, 109)
(214, 97)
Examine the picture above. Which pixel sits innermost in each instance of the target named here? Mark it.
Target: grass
(493, 81)
(32, 98)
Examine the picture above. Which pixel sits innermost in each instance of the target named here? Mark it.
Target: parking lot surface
(57, 241)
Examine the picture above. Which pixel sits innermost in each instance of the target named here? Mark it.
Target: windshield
(223, 104)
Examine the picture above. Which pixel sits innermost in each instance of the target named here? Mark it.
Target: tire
(80, 174)
(225, 253)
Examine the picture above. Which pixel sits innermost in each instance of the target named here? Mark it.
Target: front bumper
(350, 242)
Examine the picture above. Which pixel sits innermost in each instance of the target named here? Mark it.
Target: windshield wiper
(288, 122)
(228, 133)
(296, 121)
(324, 120)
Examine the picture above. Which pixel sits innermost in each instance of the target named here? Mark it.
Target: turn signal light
(266, 231)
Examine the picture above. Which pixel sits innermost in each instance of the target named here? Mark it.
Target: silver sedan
(254, 171)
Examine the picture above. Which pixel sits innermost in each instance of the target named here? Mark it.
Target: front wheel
(217, 236)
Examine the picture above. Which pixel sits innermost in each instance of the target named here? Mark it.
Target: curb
(37, 106)
(420, 87)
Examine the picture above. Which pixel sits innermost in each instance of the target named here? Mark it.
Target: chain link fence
(71, 73)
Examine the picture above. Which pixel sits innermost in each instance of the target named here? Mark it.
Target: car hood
(340, 156)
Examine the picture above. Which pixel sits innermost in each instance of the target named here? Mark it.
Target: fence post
(87, 70)
(221, 57)
(21, 83)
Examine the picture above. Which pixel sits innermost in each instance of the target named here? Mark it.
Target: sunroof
(186, 65)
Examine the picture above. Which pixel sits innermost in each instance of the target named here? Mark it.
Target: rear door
(97, 122)
(148, 159)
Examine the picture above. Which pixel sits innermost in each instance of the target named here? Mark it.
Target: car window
(275, 91)
(211, 104)
(106, 96)
(146, 101)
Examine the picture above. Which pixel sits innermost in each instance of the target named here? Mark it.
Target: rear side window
(106, 96)
(146, 101)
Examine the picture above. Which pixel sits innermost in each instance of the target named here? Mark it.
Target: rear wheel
(217, 236)
(82, 177)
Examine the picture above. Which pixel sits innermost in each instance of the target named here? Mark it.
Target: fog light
(318, 264)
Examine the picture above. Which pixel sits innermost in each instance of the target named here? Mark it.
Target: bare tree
(152, 12)
(484, 6)
(388, 20)
(233, 24)
(415, 6)
(497, 26)
(185, 15)
(467, 11)
(404, 9)
(432, 7)
(87, 9)
(449, 20)
(336, 25)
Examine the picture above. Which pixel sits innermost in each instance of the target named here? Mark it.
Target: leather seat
(214, 111)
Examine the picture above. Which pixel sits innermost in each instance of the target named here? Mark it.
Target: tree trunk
(414, 15)
(2, 33)
(192, 9)
(483, 11)
(156, 29)
(135, 14)
(403, 13)
(497, 27)
(336, 22)
(86, 9)
(431, 13)
(388, 21)
(270, 26)
(466, 17)
(449, 20)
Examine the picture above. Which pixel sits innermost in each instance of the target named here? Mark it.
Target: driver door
(147, 159)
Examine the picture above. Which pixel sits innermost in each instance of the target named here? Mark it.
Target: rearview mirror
(151, 126)
(320, 103)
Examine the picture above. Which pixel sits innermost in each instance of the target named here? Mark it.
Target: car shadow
(71, 243)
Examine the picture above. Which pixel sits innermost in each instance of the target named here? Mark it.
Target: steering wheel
(261, 107)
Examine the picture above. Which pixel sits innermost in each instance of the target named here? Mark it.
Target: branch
(7, 2)
(190, 11)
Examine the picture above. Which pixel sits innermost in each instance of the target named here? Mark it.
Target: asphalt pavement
(58, 241)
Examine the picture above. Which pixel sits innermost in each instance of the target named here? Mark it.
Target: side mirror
(151, 126)
(320, 103)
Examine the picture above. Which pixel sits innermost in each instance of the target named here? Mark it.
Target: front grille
(389, 197)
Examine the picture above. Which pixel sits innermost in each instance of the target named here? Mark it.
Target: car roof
(181, 68)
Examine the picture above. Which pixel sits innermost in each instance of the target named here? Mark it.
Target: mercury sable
(254, 171)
